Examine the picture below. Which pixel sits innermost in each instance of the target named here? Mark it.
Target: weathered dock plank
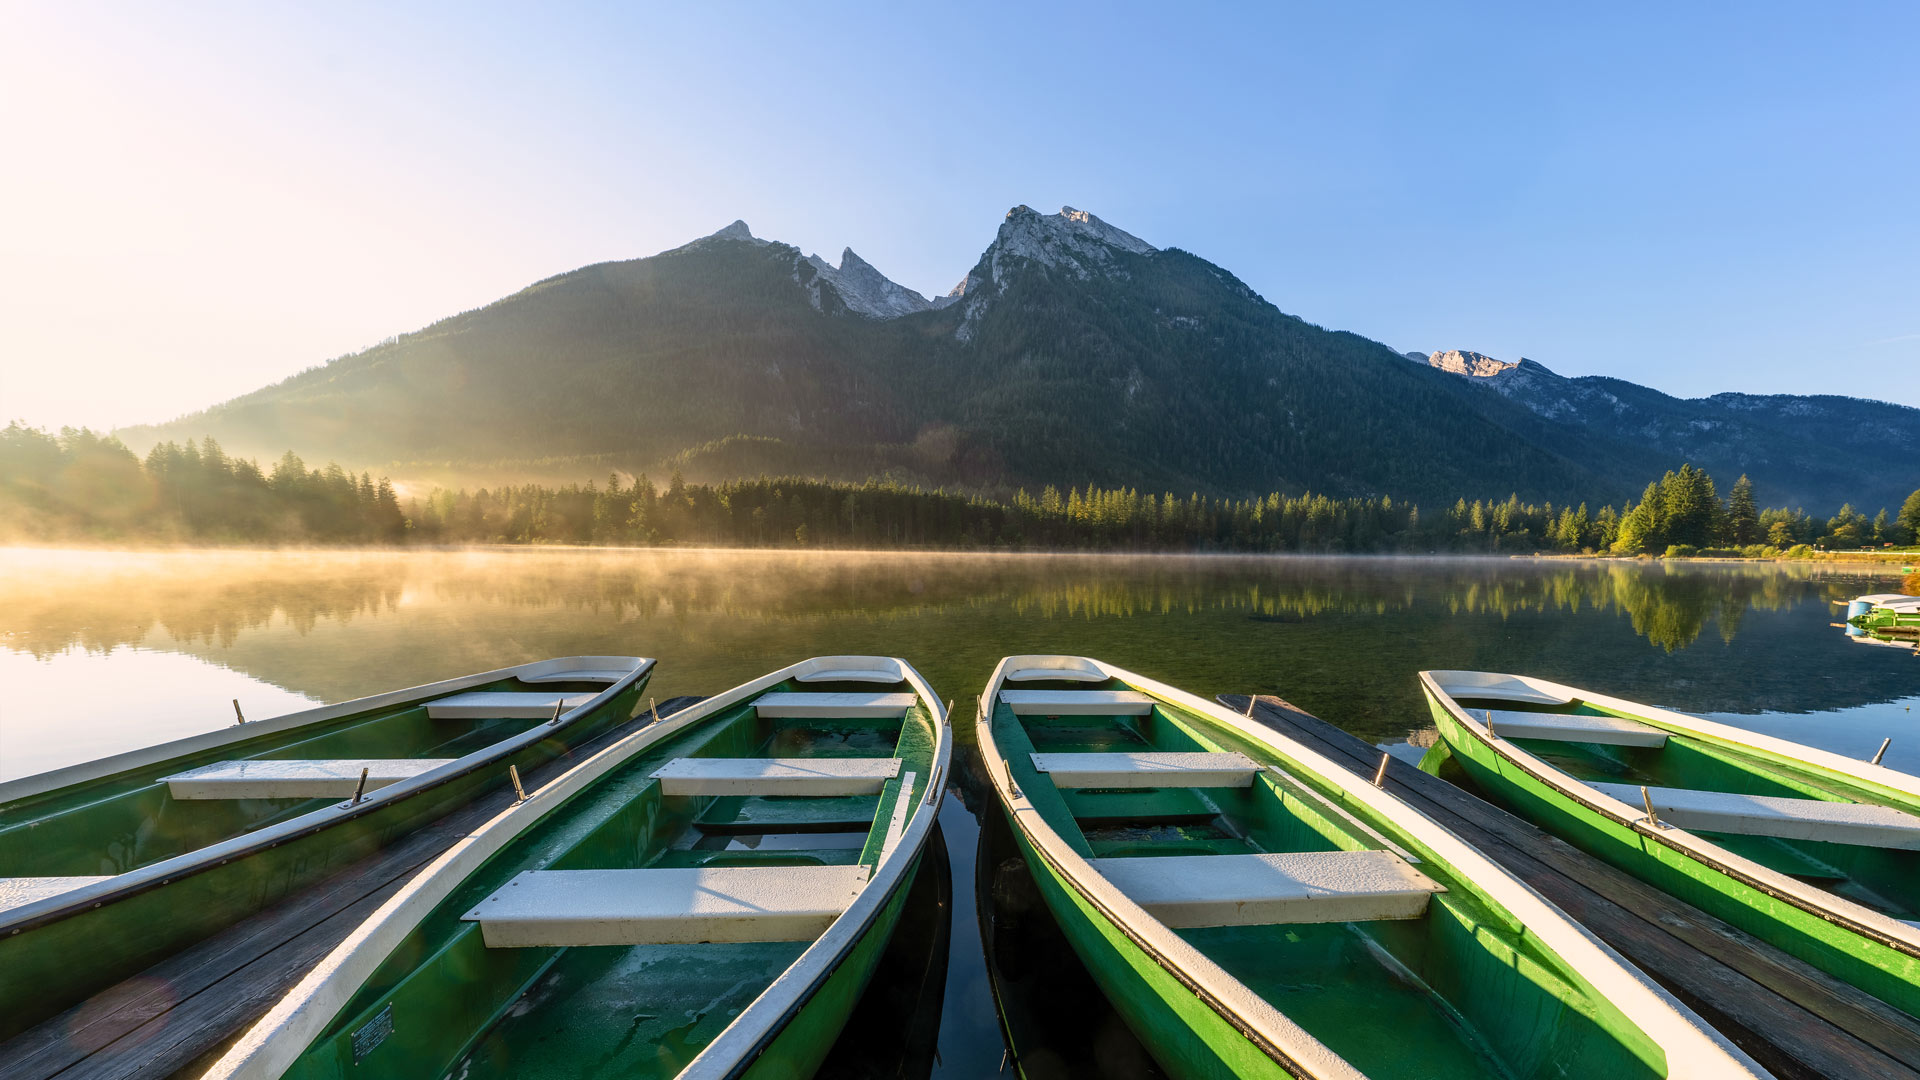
(172, 1018)
(1794, 1019)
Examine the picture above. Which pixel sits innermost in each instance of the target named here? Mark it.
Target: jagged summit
(1473, 364)
(737, 231)
(865, 289)
(1072, 241)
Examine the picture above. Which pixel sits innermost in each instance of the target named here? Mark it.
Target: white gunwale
(1897, 933)
(1692, 1049)
(278, 1039)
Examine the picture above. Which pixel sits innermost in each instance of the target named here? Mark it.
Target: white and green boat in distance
(1253, 909)
(1814, 853)
(705, 898)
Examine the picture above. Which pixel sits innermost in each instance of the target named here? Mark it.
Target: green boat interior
(1442, 985)
(1790, 816)
(120, 822)
(588, 946)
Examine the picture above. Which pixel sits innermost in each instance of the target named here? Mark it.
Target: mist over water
(105, 651)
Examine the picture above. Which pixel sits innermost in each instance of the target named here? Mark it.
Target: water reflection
(1339, 637)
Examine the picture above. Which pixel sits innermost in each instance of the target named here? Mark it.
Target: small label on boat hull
(372, 1033)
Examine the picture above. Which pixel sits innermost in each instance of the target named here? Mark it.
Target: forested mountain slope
(1072, 353)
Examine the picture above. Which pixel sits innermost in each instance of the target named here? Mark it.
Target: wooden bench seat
(1562, 727)
(1860, 824)
(666, 905)
(21, 891)
(1147, 769)
(1077, 702)
(815, 705)
(503, 704)
(294, 778)
(776, 776)
(1262, 889)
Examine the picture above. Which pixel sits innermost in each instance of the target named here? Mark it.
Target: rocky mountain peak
(1072, 241)
(863, 288)
(734, 233)
(1471, 364)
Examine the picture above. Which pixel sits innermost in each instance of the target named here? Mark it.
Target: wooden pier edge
(175, 1018)
(1794, 1019)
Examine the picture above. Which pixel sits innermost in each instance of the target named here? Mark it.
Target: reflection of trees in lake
(55, 600)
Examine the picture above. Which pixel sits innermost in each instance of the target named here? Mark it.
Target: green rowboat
(1255, 910)
(1809, 851)
(110, 866)
(704, 898)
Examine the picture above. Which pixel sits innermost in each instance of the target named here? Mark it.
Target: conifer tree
(1743, 516)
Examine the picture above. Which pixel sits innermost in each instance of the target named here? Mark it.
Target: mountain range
(1071, 353)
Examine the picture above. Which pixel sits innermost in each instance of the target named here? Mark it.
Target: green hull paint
(1886, 972)
(52, 965)
(1463, 991)
(1185, 1035)
(444, 1004)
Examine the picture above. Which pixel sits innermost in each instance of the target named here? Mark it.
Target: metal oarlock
(654, 707)
(1647, 800)
(1380, 774)
(1490, 734)
(1882, 752)
(513, 774)
(557, 706)
(238, 716)
(360, 789)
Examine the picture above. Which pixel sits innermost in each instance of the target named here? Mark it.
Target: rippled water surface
(105, 652)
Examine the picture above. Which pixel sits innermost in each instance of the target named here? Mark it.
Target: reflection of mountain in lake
(1340, 636)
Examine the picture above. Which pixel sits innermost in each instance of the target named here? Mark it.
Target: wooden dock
(1795, 1020)
(176, 1017)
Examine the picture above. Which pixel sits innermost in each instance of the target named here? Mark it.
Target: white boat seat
(876, 675)
(666, 905)
(507, 704)
(606, 675)
(1493, 686)
(21, 891)
(1559, 727)
(815, 705)
(1147, 770)
(1860, 824)
(1077, 702)
(1290, 887)
(776, 776)
(1056, 674)
(295, 778)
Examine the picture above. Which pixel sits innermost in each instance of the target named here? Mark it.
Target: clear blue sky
(205, 199)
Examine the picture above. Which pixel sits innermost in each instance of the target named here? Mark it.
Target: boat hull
(1853, 955)
(55, 962)
(1187, 1036)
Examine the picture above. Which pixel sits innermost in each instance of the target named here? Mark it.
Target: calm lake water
(105, 652)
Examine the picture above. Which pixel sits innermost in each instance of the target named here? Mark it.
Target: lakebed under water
(103, 651)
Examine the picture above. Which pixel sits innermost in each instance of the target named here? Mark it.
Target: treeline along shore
(79, 486)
